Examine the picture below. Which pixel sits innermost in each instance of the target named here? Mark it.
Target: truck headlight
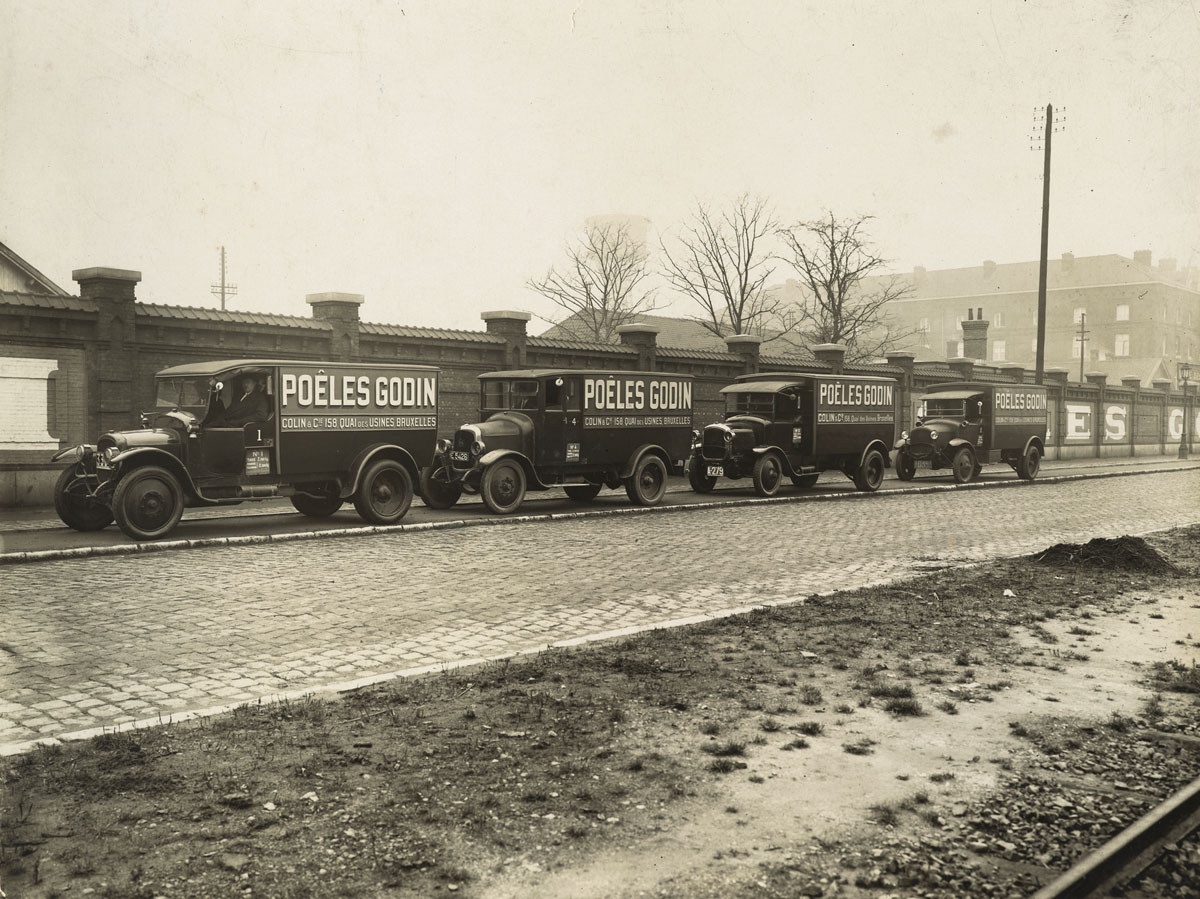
(904, 435)
(110, 452)
(478, 447)
(729, 436)
(933, 435)
(443, 445)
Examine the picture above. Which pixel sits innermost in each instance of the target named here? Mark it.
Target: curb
(124, 549)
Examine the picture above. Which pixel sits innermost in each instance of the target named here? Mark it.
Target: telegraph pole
(1083, 333)
(223, 289)
(1041, 320)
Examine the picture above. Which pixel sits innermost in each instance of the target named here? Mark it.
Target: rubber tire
(698, 477)
(582, 493)
(151, 524)
(805, 481)
(384, 493)
(503, 486)
(870, 472)
(315, 507)
(906, 466)
(1029, 464)
(648, 483)
(767, 474)
(79, 512)
(977, 472)
(438, 494)
(962, 465)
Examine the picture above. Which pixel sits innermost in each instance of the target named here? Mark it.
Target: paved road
(95, 642)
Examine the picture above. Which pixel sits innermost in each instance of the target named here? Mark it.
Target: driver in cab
(250, 404)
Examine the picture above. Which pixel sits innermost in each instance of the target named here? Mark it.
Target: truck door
(559, 441)
(972, 428)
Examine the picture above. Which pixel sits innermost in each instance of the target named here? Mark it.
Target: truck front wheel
(1027, 467)
(962, 466)
(648, 483)
(870, 472)
(384, 493)
(767, 474)
(75, 504)
(906, 466)
(699, 477)
(148, 503)
(503, 486)
(437, 491)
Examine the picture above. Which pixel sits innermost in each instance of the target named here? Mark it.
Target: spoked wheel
(437, 491)
(767, 474)
(75, 504)
(148, 503)
(317, 503)
(906, 467)
(1027, 468)
(805, 481)
(962, 466)
(503, 486)
(699, 477)
(870, 473)
(384, 493)
(583, 493)
(648, 483)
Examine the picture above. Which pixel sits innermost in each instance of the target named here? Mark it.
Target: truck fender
(636, 457)
(876, 445)
(494, 456)
(956, 442)
(1035, 440)
(151, 455)
(783, 457)
(373, 453)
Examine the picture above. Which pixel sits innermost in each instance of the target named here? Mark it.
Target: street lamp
(1183, 370)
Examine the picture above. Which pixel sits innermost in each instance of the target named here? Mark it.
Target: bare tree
(600, 286)
(844, 293)
(721, 265)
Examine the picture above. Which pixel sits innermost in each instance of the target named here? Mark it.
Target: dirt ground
(969, 732)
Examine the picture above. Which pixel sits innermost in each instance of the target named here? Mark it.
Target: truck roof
(778, 380)
(970, 388)
(199, 369)
(591, 372)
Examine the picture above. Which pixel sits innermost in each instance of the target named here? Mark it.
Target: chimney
(832, 354)
(1142, 257)
(1068, 262)
(975, 336)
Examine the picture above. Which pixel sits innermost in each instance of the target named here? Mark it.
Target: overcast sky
(436, 155)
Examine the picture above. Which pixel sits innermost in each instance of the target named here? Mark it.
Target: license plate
(459, 456)
(715, 471)
(257, 462)
(923, 463)
(102, 462)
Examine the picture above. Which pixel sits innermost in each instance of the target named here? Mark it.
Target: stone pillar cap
(335, 297)
(1096, 375)
(900, 355)
(109, 274)
(743, 339)
(828, 347)
(505, 314)
(638, 328)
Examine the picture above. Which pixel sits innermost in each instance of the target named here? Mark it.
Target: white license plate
(459, 456)
(102, 462)
(257, 462)
(923, 463)
(715, 471)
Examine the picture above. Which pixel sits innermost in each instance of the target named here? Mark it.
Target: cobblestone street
(96, 642)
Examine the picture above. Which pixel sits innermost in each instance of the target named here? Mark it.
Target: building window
(924, 325)
(997, 350)
(998, 319)
(1122, 314)
(1121, 345)
(959, 351)
(1080, 312)
(1076, 347)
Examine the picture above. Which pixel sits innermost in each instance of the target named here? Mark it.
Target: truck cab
(798, 424)
(229, 431)
(581, 430)
(964, 425)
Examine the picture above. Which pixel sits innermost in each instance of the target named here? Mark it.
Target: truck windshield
(182, 393)
(943, 408)
(750, 404)
(501, 395)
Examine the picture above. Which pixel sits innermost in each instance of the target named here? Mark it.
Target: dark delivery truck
(321, 433)
(796, 425)
(579, 430)
(962, 425)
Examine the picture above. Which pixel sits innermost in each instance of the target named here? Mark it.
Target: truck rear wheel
(384, 493)
(906, 466)
(503, 486)
(437, 491)
(316, 506)
(648, 483)
(870, 472)
(767, 474)
(1027, 467)
(75, 504)
(583, 493)
(148, 503)
(699, 478)
(962, 466)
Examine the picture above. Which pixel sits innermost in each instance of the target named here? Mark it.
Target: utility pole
(1041, 320)
(1083, 333)
(223, 290)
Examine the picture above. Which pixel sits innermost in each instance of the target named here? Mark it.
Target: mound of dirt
(1120, 553)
